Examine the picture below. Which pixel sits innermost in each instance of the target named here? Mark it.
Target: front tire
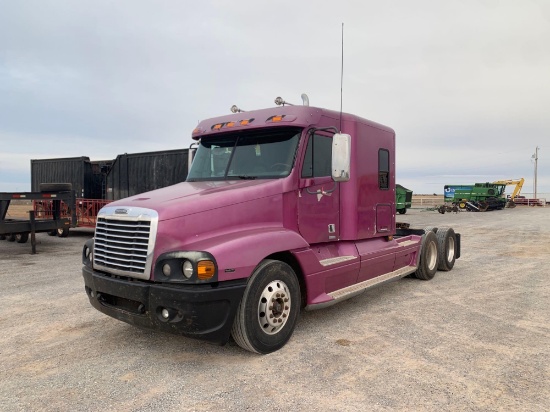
(269, 309)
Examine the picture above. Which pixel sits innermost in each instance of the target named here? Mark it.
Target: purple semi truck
(284, 209)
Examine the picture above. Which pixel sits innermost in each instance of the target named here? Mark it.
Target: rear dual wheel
(428, 256)
(269, 309)
(61, 232)
(22, 237)
(17, 237)
(446, 245)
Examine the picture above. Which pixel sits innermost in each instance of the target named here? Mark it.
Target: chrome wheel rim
(274, 307)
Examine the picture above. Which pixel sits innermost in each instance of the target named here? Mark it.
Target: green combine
(481, 197)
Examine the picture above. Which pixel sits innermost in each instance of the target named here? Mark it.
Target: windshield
(264, 154)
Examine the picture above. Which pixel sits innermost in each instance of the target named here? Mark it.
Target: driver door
(319, 195)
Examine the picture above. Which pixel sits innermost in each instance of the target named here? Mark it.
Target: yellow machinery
(515, 193)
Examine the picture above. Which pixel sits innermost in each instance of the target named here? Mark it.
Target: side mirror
(191, 155)
(341, 157)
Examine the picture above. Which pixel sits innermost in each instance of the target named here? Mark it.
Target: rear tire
(268, 311)
(402, 211)
(62, 232)
(446, 245)
(11, 237)
(22, 237)
(428, 257)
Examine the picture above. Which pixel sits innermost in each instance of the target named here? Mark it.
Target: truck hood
(188, 198)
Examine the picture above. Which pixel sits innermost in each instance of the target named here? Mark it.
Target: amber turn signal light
(205, 269)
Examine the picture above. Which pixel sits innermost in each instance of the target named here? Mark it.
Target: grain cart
(284, 209)
(403, 199)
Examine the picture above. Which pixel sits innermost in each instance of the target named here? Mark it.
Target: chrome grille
(124, 243)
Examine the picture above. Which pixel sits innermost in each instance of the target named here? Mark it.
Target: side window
(383, 169)
(318, 158)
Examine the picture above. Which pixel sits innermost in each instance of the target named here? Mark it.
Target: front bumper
(197, 311)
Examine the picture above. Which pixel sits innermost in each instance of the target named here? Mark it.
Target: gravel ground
(476, 338)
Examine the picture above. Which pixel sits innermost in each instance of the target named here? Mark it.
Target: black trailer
(135, 173)
(20, 229)
(88, 178)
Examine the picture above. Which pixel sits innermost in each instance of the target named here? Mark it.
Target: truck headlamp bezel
(186, 267)
(88, 253)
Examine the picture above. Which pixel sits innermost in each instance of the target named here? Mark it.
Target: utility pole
(536, 157)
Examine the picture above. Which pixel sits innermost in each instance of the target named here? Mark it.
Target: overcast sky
(465, 84)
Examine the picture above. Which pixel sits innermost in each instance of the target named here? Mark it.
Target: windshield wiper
(246, 177)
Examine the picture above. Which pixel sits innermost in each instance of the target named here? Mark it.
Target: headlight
(187, 269)
(186, 266)
(88, 253)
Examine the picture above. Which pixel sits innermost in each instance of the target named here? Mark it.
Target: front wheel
(269, 309)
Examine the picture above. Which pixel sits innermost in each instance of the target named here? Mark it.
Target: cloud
(463, 83)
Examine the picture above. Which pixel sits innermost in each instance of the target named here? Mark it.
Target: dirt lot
(476, 338)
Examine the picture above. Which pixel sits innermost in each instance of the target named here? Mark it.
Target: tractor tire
(55, 187)
(402, 211)
(269, 309)
(446, 248)
(462, 205)
(11, 237)
(428, 257)
(52, 233)
(22, 237)
(430, 229)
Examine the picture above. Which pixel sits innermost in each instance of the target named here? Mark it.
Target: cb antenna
(342, 78)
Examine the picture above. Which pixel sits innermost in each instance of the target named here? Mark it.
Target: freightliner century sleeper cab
(284, 208)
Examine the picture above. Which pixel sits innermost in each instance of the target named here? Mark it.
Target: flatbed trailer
(86, 211)
(20, 229)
